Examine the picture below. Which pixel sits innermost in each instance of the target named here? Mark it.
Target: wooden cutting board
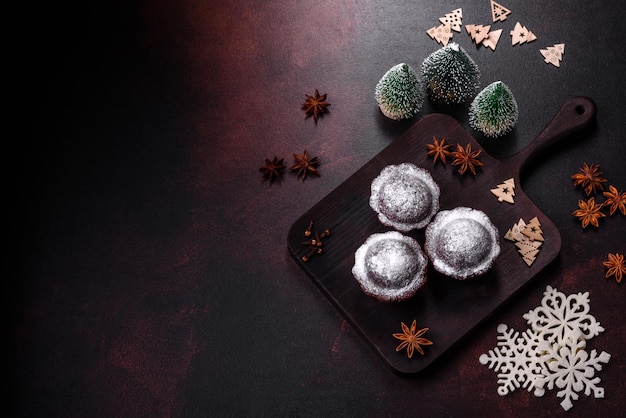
(450, 308)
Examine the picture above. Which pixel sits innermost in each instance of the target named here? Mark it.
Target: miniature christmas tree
(400, 93)
(451, 76)
(494, 110)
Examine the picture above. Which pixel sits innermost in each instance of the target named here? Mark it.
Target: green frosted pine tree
(451, 76)
(494, 110)
(400, 92)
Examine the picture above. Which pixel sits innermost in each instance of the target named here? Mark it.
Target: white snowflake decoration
(551, 353)
(572, 369)
(560, 316)
(518, 361)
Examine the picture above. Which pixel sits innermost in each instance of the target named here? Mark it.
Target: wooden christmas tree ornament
(532, 230)
(478, 33)
(515, 233)
(442, 33)
(492, 40)
(505, 191)
(454, 19)
(521, 35)
(499, 12)
(528, 238)
(553, 54)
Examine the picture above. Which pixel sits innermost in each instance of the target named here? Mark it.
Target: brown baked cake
(390, 266)
(462, 243)
(405, 196)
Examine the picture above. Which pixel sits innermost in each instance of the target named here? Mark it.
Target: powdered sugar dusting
(390, 266)
(405, 196)
(462, 242)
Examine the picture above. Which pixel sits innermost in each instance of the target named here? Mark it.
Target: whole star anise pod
(315, 105)
(304, 165)
(272, 169)
(590, 178)
(411, 339)
(438, 150)
(615, 265)
(466, 159)
(616, 200)
(589, 212)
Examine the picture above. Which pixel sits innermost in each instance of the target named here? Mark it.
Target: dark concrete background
(152, 275)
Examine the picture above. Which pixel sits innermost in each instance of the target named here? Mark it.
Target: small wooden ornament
(505, 191)
(528, 260)
(515, 233)
(528, 248)
(528, 239)
(499, 12)
(532, 230)
(492, 39)
(478, 33)
(442, 33)
(521, 35)
(553, 54)
(454, 19)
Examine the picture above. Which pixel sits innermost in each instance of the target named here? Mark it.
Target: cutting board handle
(575, 114)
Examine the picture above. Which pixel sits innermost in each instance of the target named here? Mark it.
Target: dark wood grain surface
(152, 274)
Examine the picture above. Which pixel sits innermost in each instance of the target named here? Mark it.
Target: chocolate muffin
(462, 243)
(405, 196)
(390, 266)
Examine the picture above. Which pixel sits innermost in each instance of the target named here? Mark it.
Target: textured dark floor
(152, 273)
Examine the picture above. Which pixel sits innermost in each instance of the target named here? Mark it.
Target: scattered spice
(590, 178)
(411, 339)
(304, 165)
(272, 169)
(315, 244)
(315, 105)
(616, 200)
(615, 265)
(438, 150)
(466, 158)
(589, 212)
(307, 231)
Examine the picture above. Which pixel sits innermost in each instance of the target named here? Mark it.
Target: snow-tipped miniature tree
(400, 92)
(451, 76)
(494, 110)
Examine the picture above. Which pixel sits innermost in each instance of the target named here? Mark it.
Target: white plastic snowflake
(518, 361)
(561, 316)
(551, 354)
(572, 369)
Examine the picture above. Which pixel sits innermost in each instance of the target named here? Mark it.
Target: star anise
(616, 200)
(438, 150)
(589, 212)
(615, 265)
(304, 165)
(466, 159)
(315, 105)
(272, 169)
(590, 178)
(411, 339)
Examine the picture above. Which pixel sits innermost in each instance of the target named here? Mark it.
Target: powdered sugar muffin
(390, 266)
(405, 196)
(462, 242)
